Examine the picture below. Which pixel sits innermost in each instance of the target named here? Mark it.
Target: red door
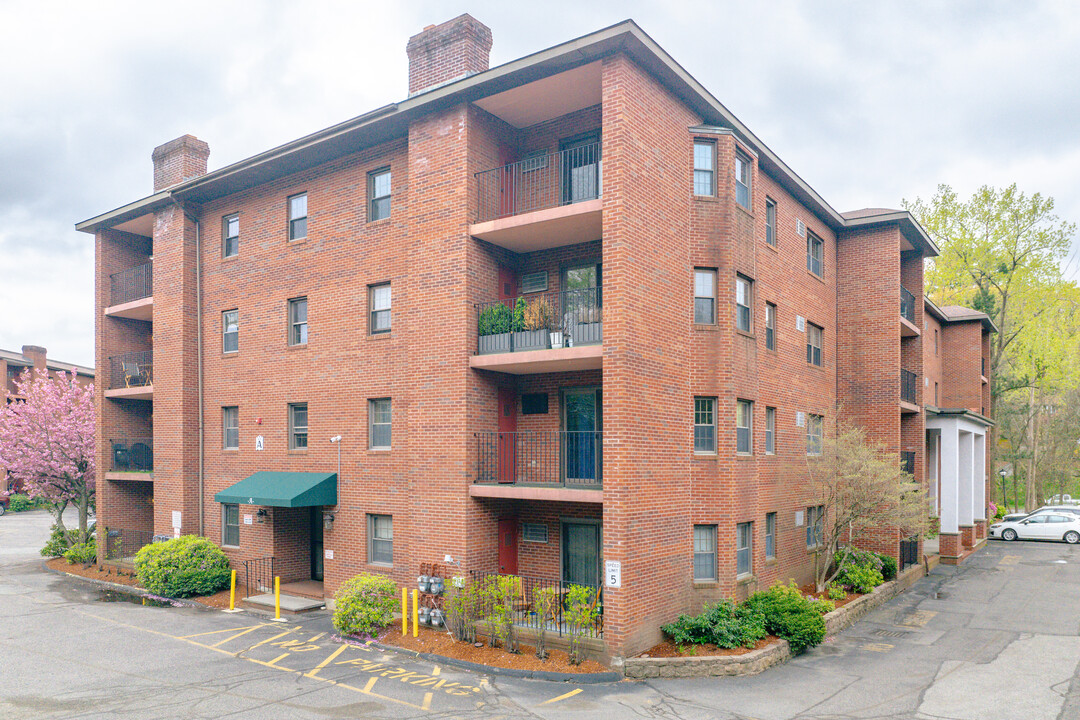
(508, 549)
(507, 434)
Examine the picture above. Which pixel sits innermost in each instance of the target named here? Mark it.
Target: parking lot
(997, 637)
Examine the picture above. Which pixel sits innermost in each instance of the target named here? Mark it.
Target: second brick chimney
(178, 160)
(450, 51)
(35, 354)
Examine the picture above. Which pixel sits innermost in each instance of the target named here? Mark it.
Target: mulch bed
(668, 649)
(114, 575)
(439, 642)
(810, 591)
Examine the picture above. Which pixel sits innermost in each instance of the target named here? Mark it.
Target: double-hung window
(704, 296)
(770, 536)
(815, 254)
(379, 424)
(381, 539)
(230, 235)
(230, 427)
(705, 425)
(813, 344)
(744, 300)
(298, 426)
(815, 525)
(770, 431)
(230, 525)
(379, 303)
(742, 180)
(705, 553)
(744, 427)
(379, 194)
(298, 216)
(298, 326)
(814, 426)
(704, 168)
(744, 539)
(230, 331)
(770, 326)
(770, 221)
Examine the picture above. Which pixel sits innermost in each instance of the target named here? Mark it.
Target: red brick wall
(963, 387)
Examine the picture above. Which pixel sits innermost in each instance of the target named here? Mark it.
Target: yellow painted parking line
(426, 705)
(315, 670)
(247, 628)
(919, 618)
(570, 694)
(436, 670)
(1009, 560)
(874, 647)
(239, 634)
(269, 639)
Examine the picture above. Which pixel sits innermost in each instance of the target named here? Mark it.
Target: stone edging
(756, 661)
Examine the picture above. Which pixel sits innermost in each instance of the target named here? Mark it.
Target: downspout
(199, 355)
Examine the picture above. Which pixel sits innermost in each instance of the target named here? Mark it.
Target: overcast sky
(869, 102)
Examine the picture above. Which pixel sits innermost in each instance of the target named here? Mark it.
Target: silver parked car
(1040, 526)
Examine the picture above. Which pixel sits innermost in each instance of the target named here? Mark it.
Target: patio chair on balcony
(134, 376)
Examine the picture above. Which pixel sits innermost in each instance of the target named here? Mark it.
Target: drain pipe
(199, 356)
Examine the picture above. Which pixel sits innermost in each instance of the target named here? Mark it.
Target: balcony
(908, 328)
(132, 294)
(545, 332)
(541, 202)
(908, 392)
(540, 465)
(131, 459)
(131, 376)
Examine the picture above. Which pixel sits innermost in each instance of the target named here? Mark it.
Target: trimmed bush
(861, 571)
(182, 567)
(888, 567)
(19, 503)
(85, 553)
(824, 606)
(724, 624)
(365, 604)
(57, 545)
(789, 615)
(835, 591)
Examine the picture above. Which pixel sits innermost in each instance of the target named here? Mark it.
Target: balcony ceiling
(548, 98)
(583, 357)
(142, 309)
(142, 225)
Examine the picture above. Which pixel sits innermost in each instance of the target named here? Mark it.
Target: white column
(979, 477)
(949, 447)
(965, 497)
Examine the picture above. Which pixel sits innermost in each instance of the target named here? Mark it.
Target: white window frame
(296, 430)
(230, 423)
(225, 332)
(377, 537)
(770, 326)
(814, 351)
(744, 551)
(744, 304)
(297, 220)
(380, 415)
(704, 541)
(770, 536)
(298, 329)
(815, 263)
(815, 425)
(744, 427)
(226, 222)
(770, 222)
(743, 180)
(704, 177)
(373, 200)
(701, 276)
(707, 407)
(226, 525)
(770, 430)
(377, 312)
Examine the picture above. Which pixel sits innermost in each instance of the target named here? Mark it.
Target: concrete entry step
(289, 603)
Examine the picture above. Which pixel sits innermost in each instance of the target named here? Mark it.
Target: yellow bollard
(415, 614)
(232, 592)
(404, 612)
(277, 598)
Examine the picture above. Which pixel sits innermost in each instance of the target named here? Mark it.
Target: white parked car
(1062, 509)
(1040, 526)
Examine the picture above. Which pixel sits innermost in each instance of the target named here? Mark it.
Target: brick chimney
(178, 160)
(451, 51)
(35, 354)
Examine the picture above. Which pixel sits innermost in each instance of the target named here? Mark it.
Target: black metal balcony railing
(907, 461)
(133, 369)
(907, 386)
(539, 182)
(122, 543)
(907, 305)
(567, 459)
(541, 603)
(132, 284)
(541, 321)
(132, 454)
(258, 576)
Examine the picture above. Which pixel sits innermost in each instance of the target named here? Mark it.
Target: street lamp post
(1004, 497)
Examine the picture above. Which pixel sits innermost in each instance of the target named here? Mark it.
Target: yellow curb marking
(570, 694)
(315, 670)
(878, 647)
(918, 618)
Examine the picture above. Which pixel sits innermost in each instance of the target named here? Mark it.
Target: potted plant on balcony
(531, 325)
(494, 328)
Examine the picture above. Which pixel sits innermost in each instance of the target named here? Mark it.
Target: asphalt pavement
(996, 638)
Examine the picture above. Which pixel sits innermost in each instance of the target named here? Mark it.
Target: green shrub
(19, 503)
(835, 591)
(57, 544)
(861, 571)
(723, 624)
(789, 615)
(182, 567)
(364, 604)
(888, 567)
(824, 606)
(85, 553)
(519, 314)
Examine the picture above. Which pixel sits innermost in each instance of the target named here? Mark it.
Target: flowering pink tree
(47, 443)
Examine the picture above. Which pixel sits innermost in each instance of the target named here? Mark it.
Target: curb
(129, 590)
(578, 678)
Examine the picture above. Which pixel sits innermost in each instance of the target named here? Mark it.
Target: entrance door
(581, 553)
(507, 435)
(582, 423)
(580, 168)
(508, 547)
(316, 544)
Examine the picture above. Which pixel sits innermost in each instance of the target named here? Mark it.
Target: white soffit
(548, 98)
(143, 225)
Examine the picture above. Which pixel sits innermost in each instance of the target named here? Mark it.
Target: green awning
(283, 489)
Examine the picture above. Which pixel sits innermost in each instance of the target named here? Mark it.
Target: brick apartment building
(693, 315)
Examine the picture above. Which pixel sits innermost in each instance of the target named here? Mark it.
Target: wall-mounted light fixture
(263, 515)
(328, 521)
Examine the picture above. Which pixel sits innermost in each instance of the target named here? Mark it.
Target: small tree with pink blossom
(47, 444)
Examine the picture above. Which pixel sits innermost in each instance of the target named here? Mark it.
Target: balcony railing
(907, 386)
(132, 284)
(541, 321)
(121, 543)
(907, 305)
(132, 454)
(133, 369)
(540, 182)
(528, 594)
(543, 458)
(907, 461)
